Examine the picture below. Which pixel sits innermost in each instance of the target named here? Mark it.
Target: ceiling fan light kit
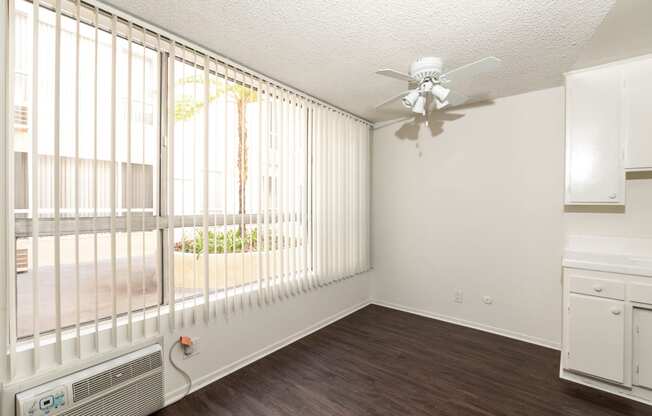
(441, 104)
(426, 67)
(441, 93)
(432, 83)
(411, 98)
(419, 106)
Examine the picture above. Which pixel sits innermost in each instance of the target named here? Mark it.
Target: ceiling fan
(430, 87)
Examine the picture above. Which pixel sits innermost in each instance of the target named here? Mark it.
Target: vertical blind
(156, 185)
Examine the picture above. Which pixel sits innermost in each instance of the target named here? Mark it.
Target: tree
(186, 108)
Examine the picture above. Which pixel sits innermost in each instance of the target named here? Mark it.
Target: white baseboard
(481, 327)
(213, 376)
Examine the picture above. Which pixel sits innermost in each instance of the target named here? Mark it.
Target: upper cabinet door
(638, 114)
(595, 171)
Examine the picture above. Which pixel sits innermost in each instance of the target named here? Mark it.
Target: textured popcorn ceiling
(331, 48)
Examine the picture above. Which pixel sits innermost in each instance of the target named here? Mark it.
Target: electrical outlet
(488, 300)
(459, 296)
(194, 350)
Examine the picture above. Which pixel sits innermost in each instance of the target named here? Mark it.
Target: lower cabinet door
(643, 348)
(596, 337)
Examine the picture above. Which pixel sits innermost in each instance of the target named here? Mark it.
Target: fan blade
(466, 72)
(395, 97)
(454, 99)
(394, 74)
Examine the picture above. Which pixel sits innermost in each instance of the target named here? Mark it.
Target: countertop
(609, 254)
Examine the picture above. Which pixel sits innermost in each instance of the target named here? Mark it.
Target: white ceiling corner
(331, 48)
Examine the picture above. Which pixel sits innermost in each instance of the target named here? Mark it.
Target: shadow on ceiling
(410, 125)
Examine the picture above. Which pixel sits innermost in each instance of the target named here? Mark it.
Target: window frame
(101, 224)
(160, 219)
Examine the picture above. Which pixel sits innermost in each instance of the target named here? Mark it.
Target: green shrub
(217, 241)
(232, 240)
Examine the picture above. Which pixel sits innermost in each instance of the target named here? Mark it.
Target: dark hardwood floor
(378, 361)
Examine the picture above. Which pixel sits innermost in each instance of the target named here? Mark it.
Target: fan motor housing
(426, 67)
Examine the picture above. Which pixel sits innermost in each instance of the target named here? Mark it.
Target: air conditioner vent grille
(140, 398)
(79, 391)
(96, 384)
(155, 360)
(121, 374)
(140, 366)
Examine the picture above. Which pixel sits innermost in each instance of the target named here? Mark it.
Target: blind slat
(259, 259)
(171, 298)
(194, 139)
(57, 183)
(225, 193)
(216, 189)
(239, 178)
(161, 165)
(10, 296)
(284, 193)
(35, 188)
(292, 194)
(96, 278)
(78, 347)
(182, 151)
(127, 196)
(113, 189)
(143, 99)
(205, 188)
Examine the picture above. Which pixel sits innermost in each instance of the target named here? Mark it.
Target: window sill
(106, 324)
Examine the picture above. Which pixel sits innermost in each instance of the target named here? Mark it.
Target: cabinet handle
(615, 311)
(597, 288)
(613, 196)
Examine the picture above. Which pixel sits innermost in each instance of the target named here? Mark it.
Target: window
(151, 176)
(239, 154)
(86, 169)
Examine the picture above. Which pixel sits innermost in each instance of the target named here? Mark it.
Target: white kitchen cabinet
(595, 171)
(596, 337)
(637, 115)
(642, 348)
(607, 315)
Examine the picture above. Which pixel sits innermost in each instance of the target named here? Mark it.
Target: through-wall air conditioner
(130, 385)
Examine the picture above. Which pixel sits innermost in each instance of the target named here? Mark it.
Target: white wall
(477, 207)
(246, 335)
(635, 220)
